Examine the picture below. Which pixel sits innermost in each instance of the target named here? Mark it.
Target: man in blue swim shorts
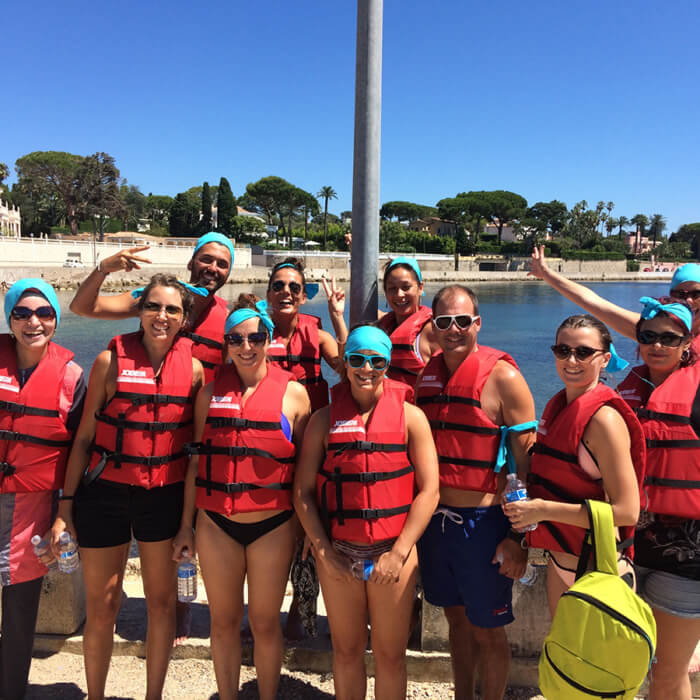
(482, 416)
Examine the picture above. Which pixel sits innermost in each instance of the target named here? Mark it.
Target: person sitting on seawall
(131, 447)
(298, 341)
(298, 344)
(408, 323)
(589, 446)
(685, 286)
(481, 413)
(41, 399)
(210, 267)
(365, 488)
(248, 424)
(665, 392)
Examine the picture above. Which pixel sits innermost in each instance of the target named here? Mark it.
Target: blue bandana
(240, 315)
(199, 291)
(214, 237)
(21, 286)
(685, 273)
(680, 311)
(411, 262)
(616, 363)
(368, 338)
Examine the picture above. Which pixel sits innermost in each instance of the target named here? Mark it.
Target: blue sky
(554, 100)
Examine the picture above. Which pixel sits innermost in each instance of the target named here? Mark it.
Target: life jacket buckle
(369, 513)
(7, 469)
(368, 477)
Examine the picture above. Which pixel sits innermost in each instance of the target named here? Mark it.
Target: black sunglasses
(279, 285)
(668, 340)
(681, 294)
(562, 351)
(462, 321)
(24, 313)
(257, 338)
(358, 359)
(153, 307)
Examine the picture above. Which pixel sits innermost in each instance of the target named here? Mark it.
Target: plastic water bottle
(41, 549)
(68, 560)
(362, 568)
(186, 579)
(530, 575)
(517, 491)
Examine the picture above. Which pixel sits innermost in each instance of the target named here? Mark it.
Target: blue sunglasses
(358, 359)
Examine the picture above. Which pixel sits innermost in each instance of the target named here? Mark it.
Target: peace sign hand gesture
(124, 260)
(336, 297)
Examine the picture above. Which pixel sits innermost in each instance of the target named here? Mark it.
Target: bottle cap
(64, 537)
(36, 540)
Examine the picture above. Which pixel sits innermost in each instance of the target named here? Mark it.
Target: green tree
(205, 223)
(657, 225)
(226, 208)
(326, 193)
(505, 206)
(158, 208)
(4, 172)
(641, 222)
(99, 190)
(134, 206)
(548, 216)
(271, 196)
(622, 222)
(582, 225)
(309, 207)
(406, 211)
(689, 233)
(184, 215)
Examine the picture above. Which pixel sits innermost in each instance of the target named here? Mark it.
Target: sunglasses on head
(668, 340)
(356, 360)
(24, 313)
(562, 351)
(257, 338)
(279, 285)
(152, 307)
(462, 321)
(693, 294)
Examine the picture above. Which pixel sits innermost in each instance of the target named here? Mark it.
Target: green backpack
(602, 640)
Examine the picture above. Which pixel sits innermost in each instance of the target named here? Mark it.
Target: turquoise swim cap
(214, 237)
(240, 315)
(21, 286)
(368, 338)
(411, 262)
(685, 273)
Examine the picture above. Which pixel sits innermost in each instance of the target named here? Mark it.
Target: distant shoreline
(69, 278)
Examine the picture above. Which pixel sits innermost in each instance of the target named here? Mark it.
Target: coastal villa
(10, 220)
(241, 212)
(433, 226)
(639, 244)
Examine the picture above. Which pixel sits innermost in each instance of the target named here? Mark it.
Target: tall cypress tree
(226, 205)
(205, 222)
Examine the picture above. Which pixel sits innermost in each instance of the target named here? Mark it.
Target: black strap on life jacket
(445, 398)
(152, 427)
(338, 478)
(143, 399)
(243, 423)
(199, 448)
(478, 429)
(239, 486)
(402, 346)
(202, 340)
(683, 444)
(310, 380)
(561, 493)
(466, 462)
(20, 409)
(541, 449)
(365, 446)
(666, 417)
(295, 358)
(671, 483)
(13, 436)
(6, 469)
(208, 365)
(118, 458)
(402, 370)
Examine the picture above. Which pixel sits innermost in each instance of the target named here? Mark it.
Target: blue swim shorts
(455, 554)
(669, 593)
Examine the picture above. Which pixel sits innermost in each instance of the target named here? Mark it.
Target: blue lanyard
(505, 454)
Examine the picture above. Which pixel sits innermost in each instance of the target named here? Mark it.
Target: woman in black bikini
(248, 422)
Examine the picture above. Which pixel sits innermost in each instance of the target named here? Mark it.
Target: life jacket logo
(431, 380)
(6, 380)
(225, 402)
(541, 428)
(347, 426)
(8, 385)
(133, 373)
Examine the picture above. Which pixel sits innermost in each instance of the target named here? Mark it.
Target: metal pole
(365, 182)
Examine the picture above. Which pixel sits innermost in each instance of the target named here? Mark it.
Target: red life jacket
(207, 336)
(466, 439)
(405, 364)
(302, 357)
(246, 463)
(34, 440)
(672, 480)
(555, 473)
(365, 487)
(142, 430)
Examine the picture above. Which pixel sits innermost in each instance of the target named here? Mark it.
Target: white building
(10, 221)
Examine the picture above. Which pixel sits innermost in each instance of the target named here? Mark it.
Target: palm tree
(657, 224)
(326, 193)
(621, 222)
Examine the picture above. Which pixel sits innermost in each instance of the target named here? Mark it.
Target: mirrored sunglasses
(151, 307)
(279, 285)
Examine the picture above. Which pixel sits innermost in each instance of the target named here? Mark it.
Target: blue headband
(616, 363)
(411, 262)
(368, 338)
(310, 288)
(199, 291)
(20, 287)
(680, 311)
(240, 315)
(686, 273)
(213, 237)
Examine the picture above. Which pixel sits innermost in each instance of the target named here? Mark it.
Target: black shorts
(106, 513)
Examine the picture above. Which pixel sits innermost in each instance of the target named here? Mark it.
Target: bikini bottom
(624, 566)
(246, 533)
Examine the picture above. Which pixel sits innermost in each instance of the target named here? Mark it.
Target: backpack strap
(600, 539)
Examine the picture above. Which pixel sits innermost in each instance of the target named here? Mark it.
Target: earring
(685, 356)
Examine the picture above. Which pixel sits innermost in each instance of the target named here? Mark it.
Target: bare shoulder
(103, 362)
(413, 413)
(319, 423)
(507, 380)
(607, 422)
(296, 391)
